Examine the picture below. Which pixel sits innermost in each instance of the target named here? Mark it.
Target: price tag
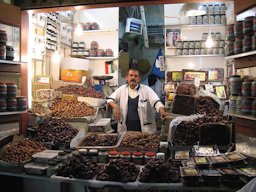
(161, 62)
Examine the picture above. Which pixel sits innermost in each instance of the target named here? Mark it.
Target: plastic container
(248, 25)
(11, 104)
(230, 47)
(3, 105)
(253, 89)
(232, 101)
(216, 9)
(246, 87)
(247, 43)
(137, 158)
(3, 90)
(254, 107)
(2, 52)
(126, 155)
(235, 84)
(160, 155)
(246, 106)
(11, 90)
(148, 156)
(238, 46)
(21, 103)
(223, 8)
(94, 45)
(230, 32)
(223, 19)
(238, 29)
(9, 53)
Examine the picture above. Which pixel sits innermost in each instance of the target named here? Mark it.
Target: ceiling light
(192, 9)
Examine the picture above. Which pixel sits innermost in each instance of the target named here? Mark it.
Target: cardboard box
(71, 75)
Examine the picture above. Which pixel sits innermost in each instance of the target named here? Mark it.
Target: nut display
(78, 166)
(207, 105)
(119, 170)
(160, 171)
(71, 108)
(186, 89)
(21, 151)
(84, 91)
(100, 140)
(56, 131)
(137, 139)
(187, 132)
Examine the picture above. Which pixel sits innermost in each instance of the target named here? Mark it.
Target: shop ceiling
(62, 5)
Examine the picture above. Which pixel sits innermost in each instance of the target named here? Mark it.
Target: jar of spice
(137, 157)
(109, 52)
(113, 155)
(197, 44)
(125, 155)
(94, 45)
(11, 90)
(148, 156)
(199, 20)
(103, 156)
(21, 103)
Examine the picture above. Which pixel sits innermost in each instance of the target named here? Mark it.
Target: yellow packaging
(69, 97)
(71, 75)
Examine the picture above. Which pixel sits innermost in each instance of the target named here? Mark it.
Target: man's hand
(117, 113)
(162, 113)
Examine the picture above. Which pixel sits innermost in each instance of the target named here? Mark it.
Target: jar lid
(113, 153)
(137, 153)
(125, 153)
(163, 144)
(160, 155)
(93, 150)
(149, 154)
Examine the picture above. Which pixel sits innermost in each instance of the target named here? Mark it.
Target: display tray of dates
(247, 173)
(138, 141)
(230, 176)
(100, 141)
(218, 161)
(189, 175)
(235, 159)
(16, 154)
(201, 162)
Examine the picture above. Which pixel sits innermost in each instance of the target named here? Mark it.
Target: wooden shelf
(12, 112)
(11, 62)
(186, 56)
(93, 58)
(241, 55)
(249, 117)
(100, 30)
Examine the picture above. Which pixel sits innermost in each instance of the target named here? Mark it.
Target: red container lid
(150, 154)
(113, 153)
(125, 153)
(137, 153)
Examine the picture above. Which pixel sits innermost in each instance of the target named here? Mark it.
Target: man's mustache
(133, 80)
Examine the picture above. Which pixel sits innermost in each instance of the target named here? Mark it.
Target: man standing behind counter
(133, 105)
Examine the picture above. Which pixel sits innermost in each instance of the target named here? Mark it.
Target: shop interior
(60, 63)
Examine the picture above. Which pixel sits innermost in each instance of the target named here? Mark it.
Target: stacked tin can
(241, 36)
(198, 47)
(216, 14)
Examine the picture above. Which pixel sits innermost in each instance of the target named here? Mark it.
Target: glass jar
(185, 45)
(193, 20)
(254, 107)
(95, 26)
(221, 43)
(75, 44)
(230, 47)
(247, 43)
(248, 25)
(11, 90)
(203, 51)
(160, 155)
(197, 44)
(137, 157)
(238, 29)
(230, 32)
(246, 106)
(81, 45)
(52, 168)
(178, 51)
(103, 156)
(223, 19)
(100, 53)
(2, 52)
(191, 44)
(191, 51)
(232, 101)
(94, 45)
(3, 37)
(216, 51)
(217, 36)
(221, 51)
(217, 19)
(216, 9)
(179, 44)
(109, 53)
(93, 153)
(197, 52)
(205, 19)
(199, 20)
(184, 51)
(148, 156)
(223, 8)
(205, 35)
(210, 9)
(238, 46)
(125, 155)
(254, 41)
(211, 19)
(113, 155)
(163, 147)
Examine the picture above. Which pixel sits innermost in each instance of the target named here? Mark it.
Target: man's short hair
(134, 69)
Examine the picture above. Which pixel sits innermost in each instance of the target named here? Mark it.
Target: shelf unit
(12, 113)
(249, 117)
(93, 58)
(187, 56)
(241, 55)
(100, 31)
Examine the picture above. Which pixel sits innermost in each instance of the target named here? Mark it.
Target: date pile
(160, 171)
(207, 105)
(119, 170)
(100, 140)
(137, 139)
(21, 152)
(186, 89)
(78, 166)
(56, 131)
(187, 132)
(70, 109)
(81, 91)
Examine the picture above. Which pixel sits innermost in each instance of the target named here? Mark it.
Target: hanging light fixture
(192, 9)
